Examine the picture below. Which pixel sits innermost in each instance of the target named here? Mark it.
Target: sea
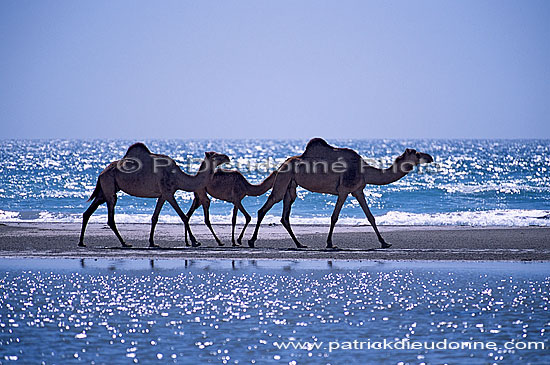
(471, 182)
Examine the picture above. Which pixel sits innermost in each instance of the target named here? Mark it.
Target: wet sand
(354, 242)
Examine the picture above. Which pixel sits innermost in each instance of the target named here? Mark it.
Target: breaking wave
(487, 218)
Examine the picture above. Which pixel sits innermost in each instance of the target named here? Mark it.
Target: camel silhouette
(148, 175)
(337, 171)
(230, 186)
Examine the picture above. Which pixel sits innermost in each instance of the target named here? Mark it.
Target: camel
(230, 186)
(147, 175)
(337, 171)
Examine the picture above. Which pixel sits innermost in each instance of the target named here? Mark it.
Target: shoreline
(410, 243)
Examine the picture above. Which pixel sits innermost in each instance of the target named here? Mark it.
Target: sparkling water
(472, 182)
(132, 311)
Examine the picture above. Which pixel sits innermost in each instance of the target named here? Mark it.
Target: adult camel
(230, 186)
(337, 171)
(148, 175)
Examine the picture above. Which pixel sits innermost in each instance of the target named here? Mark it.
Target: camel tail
(96, 192)
(257, 190)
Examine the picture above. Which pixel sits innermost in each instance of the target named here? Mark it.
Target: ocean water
(472, 182)
(137, 311)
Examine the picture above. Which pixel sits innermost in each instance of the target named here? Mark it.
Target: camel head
(411, 157)
(215, 159)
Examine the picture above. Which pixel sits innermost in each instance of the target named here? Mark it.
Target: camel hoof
(126, 245)
(220, 243)
(301, 246)
(81, 244)
(332, 247)
(251, 243)
(195, 244)
(153, 245)
(385, 245)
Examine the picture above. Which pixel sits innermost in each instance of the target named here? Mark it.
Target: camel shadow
(240, 249)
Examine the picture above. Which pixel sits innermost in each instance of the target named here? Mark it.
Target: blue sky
(274, 69)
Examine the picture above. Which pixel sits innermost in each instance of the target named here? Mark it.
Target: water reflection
(234, 265)
(235, 310)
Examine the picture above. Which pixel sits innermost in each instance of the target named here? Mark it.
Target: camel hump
(221, 172)
(317, 142)
(317, 147)
(137, 149)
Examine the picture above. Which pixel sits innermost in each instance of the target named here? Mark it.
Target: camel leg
(261, 214)
(334, 218)
(233, 223)
(154, 220)
(360, 196)
(194, 206)
(184, 218)
(247, 221)
(282, 181)
(86, 216)
(290, 197)
(111, 220)
(206, 209)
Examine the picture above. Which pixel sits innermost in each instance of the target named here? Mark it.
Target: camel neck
(375, 176)
(195, 182)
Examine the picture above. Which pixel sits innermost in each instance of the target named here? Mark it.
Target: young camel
(230, 186)
(147, 175)
(337, 171)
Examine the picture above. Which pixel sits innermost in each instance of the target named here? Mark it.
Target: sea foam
(497, 218)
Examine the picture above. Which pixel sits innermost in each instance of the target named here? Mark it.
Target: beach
(454, 243)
